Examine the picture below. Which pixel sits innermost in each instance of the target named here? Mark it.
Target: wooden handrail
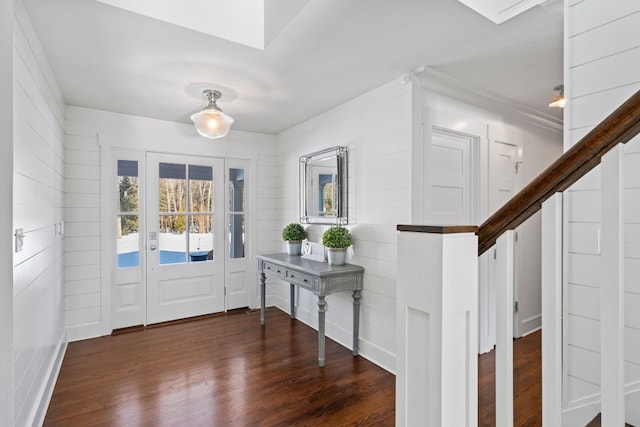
(619, 127)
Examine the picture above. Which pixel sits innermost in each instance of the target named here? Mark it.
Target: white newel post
(552, 311)
(612, 290)
(505, 262)
(437, 326)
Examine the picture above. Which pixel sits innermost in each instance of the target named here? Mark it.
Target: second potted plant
(294, 234)
(336, 239)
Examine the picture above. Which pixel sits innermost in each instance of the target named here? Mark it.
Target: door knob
(152, 247)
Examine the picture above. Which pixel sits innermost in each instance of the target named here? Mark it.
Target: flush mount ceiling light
(558, 100)
(211, 122)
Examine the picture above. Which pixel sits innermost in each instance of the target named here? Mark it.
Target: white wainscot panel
(82, 186)
(583, 238)
(75, 302)
(584, 301)
(632, 205)
(587, 15)
(632, 345)
(591, 181)
(578, 389)
(77, 200)
(583, 332)
(631, 275)
(597, 43)
(76, 287)
(82, 229)
(632, 240)
(81, 272)
(591, 110)
(74, 244)
(596, 76)
(581, 205)
(583, 364)
(82, 316)
(631, 311)
(81, 258)
(631, 164)
(82, 157)
(584, 269)
(79, 142)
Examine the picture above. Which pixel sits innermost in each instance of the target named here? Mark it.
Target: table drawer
(274, 269)
(301, 279)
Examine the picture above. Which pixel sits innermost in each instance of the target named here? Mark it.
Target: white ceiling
(111, 59)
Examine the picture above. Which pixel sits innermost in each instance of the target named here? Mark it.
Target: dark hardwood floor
(229, 371)
(527, 383)
(221, 371)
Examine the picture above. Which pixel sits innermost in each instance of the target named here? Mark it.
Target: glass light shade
(212, 123)
(558, 102)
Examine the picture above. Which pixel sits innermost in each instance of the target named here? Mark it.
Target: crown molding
(444, 84)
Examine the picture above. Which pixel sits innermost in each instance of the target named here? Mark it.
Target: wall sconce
(558, 100)
(211, 122)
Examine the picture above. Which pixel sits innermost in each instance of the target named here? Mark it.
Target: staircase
(437, 280)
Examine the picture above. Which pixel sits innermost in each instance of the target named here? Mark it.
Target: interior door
(185, 237)
(504, 157)
(448, 191)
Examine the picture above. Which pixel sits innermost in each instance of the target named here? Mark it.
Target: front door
(185, 237)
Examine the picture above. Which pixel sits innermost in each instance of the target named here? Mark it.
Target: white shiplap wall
(376, 128)
(86, 299)
(38, 317)
(602, 56)
(6, 212)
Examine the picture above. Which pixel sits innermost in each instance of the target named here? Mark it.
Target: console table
(318, 277)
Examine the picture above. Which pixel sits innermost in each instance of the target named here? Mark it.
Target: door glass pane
(173, 239)
(172, 187)
(201, 188)
(201, 238)
(236, 214)
(236, 241)
(127, 244)
(127, 238)
(236, 190)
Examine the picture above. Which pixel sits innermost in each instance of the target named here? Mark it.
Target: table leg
(293, 301)
(262, 297)
(322, 308)
(356, 320)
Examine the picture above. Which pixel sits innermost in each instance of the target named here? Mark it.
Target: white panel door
(502, 185)
(448, 191)
(185, 237)
(502, 174)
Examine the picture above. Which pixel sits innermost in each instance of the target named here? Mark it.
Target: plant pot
(336, 256)
(294, 247)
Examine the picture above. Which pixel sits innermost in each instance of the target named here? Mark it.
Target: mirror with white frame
(323, 187)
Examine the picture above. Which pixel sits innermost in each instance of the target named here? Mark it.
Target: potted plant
(336, 239)
(294, 234)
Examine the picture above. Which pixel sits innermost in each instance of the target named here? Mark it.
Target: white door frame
(164, 139)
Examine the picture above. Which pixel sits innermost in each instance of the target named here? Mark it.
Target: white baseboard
(85, 331)
(530, 325)
(45, 393)
(342, 336)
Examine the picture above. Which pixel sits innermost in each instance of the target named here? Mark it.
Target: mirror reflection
(323, 187)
